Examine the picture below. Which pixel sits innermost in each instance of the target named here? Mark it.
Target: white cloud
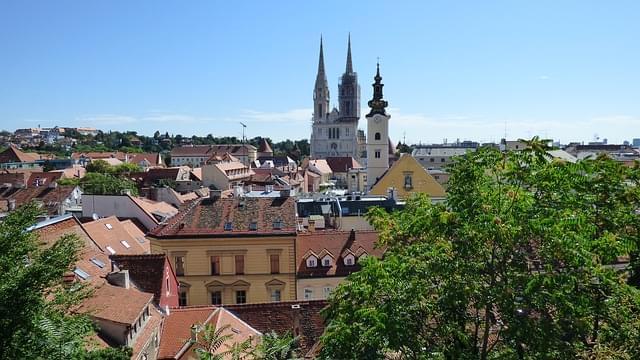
(289, 116)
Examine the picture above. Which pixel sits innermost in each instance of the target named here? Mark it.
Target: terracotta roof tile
(209, 216)
(116, 304)
(337, 244)
(50, 197)
(300, 318)
(342, 164)
(43, 178)
(146, 271)
(153, 322)
(111, 233)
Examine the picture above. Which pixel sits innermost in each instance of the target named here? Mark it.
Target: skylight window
(111, 250)
(125, 243)
(97, 262)
(81, 273)
(108, 226)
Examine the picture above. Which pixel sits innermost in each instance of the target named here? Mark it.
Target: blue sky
(568, 70)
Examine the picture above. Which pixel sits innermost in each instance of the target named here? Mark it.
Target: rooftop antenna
(244, 149)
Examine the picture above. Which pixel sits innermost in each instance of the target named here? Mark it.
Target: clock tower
(377, 134)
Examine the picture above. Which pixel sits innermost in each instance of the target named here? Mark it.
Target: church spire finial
(321, 74)
(377, 104)
(349, 68)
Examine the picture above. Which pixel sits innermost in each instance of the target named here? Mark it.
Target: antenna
(244, 149)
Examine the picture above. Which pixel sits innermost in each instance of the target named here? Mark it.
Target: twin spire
(321, 73)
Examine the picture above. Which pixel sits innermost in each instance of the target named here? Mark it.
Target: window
(228, 226)
(377, 136)
(182, 298)
(98, 263)
(239, 264)
(326, 291)
(111, 250)
(277, 225)
(312, 261)
(377, 154)
(430, 159)
(125, 243)
(442, 160)
(179, 260)
(346, 132)
(253, 226)
(308, 294)
(326, 261)
(349, 260)
(216, 297)
(241, 296)
(276, 295)
(408, 183)
(338, 133)
(81, 273)
(215, 265)
(275, 263)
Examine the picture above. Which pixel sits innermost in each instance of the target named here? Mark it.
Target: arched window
(377, 136)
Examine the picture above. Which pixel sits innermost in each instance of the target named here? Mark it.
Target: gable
(396, 177)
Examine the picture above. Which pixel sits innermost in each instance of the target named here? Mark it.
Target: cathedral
(335, 131)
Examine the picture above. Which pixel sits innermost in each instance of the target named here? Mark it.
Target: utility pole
(244, 148)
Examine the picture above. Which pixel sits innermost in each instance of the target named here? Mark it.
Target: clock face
(377, 119)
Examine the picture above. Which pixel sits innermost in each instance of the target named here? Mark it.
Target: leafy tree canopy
(516, 264)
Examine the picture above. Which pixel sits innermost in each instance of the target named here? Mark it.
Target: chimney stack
(312, 225)
(119, 278)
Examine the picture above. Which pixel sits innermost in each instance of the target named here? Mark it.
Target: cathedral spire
(321, 78)
(377, 104)
(349, 69)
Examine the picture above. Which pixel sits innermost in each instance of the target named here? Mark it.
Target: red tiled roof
(110, 232)
(207, 150)
(50, 197)
(265, 147)
(43, 178)
(116, 304)
(146, 271)
(342, 164)
(14, 178)
(176, 329)
(95, 155)
(209, 216)
(338, 244)
(14, 154)
(283, 317)
(154, 159)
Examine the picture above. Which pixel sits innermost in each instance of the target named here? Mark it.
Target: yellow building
(407, 177)
(232, 251)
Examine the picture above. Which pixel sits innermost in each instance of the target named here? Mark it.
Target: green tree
(210, 340)
(277, 347)
(98, 166)
(35, 320)
(515, 264)
(104, 184)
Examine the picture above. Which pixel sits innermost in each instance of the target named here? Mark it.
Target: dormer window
(228, 226)
(312, 261)
(326, 261)
(277, 225)
(253, 226)
(349, 260)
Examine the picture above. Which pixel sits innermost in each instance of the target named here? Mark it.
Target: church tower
(377, 133)
(321, 91)
(349, 91)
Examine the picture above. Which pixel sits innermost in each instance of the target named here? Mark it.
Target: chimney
(285, 193)
(300, 224)
(153, 193)
(119, 278)
(12, 204)
(215, 194)
(312, 225)
(194, 333)
(268, 188)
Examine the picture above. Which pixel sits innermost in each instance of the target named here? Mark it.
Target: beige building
(326, 258)
(232, 250)
(224, 175)
(408, 177)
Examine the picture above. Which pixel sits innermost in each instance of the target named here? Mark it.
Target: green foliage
(515, 265)
(277, 347)
(210, 340)
(123, 353)
(104, 184)
(98, 166)
(35, 322)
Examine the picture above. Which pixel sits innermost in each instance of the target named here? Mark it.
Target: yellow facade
(407, 176)
(258, 282)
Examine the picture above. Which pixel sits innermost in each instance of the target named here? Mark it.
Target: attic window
(326, 261)
(228, 226)
(108, 226)
(253, 226)
(312, 261)
(125, 243)
(81, 273)
(277, 225)
(97, 263)
(111, 250)
(349, 260)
